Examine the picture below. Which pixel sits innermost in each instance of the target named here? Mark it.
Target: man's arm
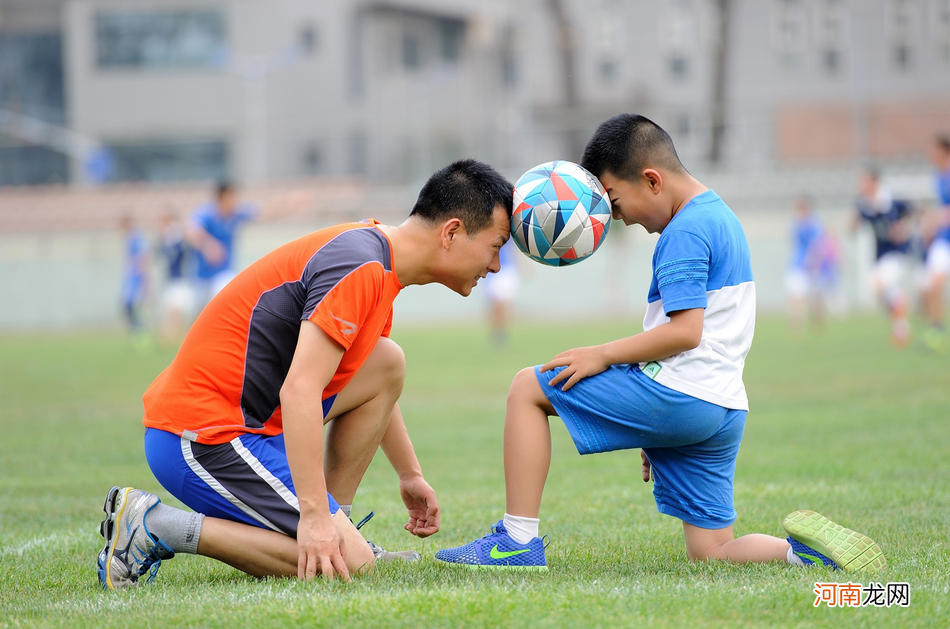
(424, 511)
(683, 332)
(319, 544)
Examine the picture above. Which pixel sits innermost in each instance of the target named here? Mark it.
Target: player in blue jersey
(802, 276)
(178, 296)
(675, 391)
(134, 275)
(938, 250)
(211, 231)
(890, 220)
(501, 288)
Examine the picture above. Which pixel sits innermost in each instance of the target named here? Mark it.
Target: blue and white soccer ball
(561, 213)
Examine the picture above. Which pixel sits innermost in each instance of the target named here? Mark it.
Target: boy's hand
(644, 467)
(578, 363)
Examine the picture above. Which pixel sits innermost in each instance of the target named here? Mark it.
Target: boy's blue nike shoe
(810, 556)
(498, 550)
(845, 549)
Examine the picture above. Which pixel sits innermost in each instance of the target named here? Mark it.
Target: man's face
(472, 257)
(227, 202)
(634, 203)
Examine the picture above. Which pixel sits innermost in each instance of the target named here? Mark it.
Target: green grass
(840, 423)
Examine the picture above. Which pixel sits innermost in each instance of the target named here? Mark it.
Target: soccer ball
(561, 213)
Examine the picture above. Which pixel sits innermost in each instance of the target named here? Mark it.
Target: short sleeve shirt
(702, 260)
(226, 379)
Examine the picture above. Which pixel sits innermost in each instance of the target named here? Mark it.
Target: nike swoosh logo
(817, 560)
(350, 326)
(498, 554)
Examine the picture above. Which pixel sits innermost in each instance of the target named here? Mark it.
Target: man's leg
(264, 553)
(527, 445)
(359, 417)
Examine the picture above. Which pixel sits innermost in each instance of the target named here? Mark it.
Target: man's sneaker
(130, 550)
(381, 554)
(829, 542)
(498, 550)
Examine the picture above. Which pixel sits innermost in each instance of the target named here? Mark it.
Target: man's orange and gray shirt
(226, 379)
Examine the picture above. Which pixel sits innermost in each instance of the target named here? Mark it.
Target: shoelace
(365, 520)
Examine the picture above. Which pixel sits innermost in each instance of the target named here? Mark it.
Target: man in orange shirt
(299, 340)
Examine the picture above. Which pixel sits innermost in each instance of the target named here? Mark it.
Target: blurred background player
(501, 289)
(178, 296)
(801, 278)
(937, 238)
(890, 221)
(135, 281)
(211, 231)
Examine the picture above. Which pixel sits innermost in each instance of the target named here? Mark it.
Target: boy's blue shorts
(245, 480)
(691, 444)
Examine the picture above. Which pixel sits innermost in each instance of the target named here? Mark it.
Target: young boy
(675, 390)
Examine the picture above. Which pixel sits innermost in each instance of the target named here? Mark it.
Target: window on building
(607, 69)
(309, 40)
(160, 39)
(509, 60)
(830, 34)
(312, 158)
(411, 51)
(901, 33)
(169, 161)
(679, 39)
(789, 35)
(451, 33)
(940, 30)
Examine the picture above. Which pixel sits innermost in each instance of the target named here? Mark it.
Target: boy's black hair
(943, 141)
(627, 144)
(467, 190)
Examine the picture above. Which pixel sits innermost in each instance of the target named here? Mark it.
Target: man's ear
(654, 179)
(451, 230)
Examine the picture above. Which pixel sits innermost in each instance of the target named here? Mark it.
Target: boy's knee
(523, 385)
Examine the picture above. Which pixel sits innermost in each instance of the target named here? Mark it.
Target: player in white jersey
(675, 390)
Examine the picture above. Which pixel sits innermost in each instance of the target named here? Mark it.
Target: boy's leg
(702, 544)
(527, 445)
(359, 418)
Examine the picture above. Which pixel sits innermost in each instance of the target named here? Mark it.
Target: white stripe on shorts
(258, 467)
(217, 487)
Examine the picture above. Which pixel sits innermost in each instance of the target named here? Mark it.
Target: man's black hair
(224, 186)
(467, 190)
(627, 144)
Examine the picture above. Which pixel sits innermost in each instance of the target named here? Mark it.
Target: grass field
(840, 423)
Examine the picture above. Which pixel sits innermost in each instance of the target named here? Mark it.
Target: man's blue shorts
(691, 444)
(245, 480)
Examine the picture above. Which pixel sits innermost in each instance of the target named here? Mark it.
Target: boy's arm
(683, 332)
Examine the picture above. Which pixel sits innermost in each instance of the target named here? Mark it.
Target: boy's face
(636, 203)
(472, 257)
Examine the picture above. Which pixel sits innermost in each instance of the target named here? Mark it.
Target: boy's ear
(653, 179)
(451, 229)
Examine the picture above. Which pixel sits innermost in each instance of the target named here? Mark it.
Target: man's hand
(423, 507)
(645, 467)
(578, 363)
(320, 548)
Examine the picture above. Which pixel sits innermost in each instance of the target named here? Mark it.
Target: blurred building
(126, 90)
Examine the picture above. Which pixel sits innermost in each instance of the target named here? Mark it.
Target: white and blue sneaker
(130, 550)
(498, 550)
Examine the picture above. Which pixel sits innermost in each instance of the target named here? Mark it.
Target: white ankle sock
(794, 559)
(346, 509)
(520, 529)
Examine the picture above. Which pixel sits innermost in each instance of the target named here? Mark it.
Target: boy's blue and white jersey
(702, 261)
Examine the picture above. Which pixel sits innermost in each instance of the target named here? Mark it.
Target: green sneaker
(850, 550)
